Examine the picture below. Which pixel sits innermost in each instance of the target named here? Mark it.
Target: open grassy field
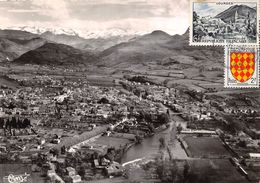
(217, 171)
(207, 147)
(7, 82)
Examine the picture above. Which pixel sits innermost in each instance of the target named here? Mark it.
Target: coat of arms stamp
(241, 67)
(218, 22)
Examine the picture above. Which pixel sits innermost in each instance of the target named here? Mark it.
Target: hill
(92, 44)
(141, 49)
(14, 35)
(90, 41)
(71, 40)
(158, 47)
(56, 54)
(14, 43)
(242, 10)
(101, 44)
(9, 50)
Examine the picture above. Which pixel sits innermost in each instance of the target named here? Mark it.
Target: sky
(171, 16)
(213, 9)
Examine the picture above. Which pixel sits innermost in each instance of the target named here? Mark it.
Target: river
(150, 146)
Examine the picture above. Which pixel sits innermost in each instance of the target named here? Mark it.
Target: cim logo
(22, 178)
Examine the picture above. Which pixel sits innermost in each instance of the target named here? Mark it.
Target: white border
(227, 65)
(191, 43)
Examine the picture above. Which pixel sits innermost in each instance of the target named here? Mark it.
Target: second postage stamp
(241, 67)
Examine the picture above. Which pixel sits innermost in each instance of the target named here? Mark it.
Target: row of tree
(14, 123)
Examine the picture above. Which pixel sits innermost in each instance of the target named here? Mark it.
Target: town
(71, 130)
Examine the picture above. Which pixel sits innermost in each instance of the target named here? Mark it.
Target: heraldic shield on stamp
(216, 22)
(241, 67)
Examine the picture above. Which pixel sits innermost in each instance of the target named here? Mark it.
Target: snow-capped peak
(106, 33)
(41, 30)
(81, 33)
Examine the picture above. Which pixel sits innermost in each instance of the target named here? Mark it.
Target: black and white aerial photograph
(111, 91)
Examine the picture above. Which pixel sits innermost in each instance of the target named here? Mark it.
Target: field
(207, 147)
(200, 171)
(220, 171)
(7, 82)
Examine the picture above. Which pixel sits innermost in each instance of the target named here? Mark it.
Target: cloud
(122, 2)
(172, 7)
(23, 11)
(57, 9)
(171, 16)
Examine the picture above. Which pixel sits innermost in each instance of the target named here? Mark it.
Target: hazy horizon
(134, 16)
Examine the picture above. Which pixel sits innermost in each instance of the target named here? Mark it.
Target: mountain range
(91, 44)
(107, 33)
(14, 43)
(242, 10)
(157, 48)
(113, 47)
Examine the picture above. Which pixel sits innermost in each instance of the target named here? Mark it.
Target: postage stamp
(241, 67)
(218, 22)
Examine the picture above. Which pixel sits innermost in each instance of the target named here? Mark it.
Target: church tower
(236, 17)
(248, 21)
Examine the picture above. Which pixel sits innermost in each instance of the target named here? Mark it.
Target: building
(70, 171)
(254, 156)
(253, 160)
(75, 179)
(114, 169)
(51, 173)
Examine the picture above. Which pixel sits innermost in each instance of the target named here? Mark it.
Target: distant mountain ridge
(89, 40)
(157, 47)
(107, 33)
(21, 41)
(93, 44)
(14, 43)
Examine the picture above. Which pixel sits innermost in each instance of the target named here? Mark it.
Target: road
(84, 136)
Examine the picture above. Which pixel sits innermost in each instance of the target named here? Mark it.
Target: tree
(63, 150)
(242, 143)
(151, 127)
(167, 171)
(186, 171)
(163, 118)
(55, 152)
(195, 16)
(103, 101)
(111, 153)
(81, 171)
(138, 139)
(162, 143)
(179, 128)
(159, 169)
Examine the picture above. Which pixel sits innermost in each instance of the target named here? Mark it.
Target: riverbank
(149, 147)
